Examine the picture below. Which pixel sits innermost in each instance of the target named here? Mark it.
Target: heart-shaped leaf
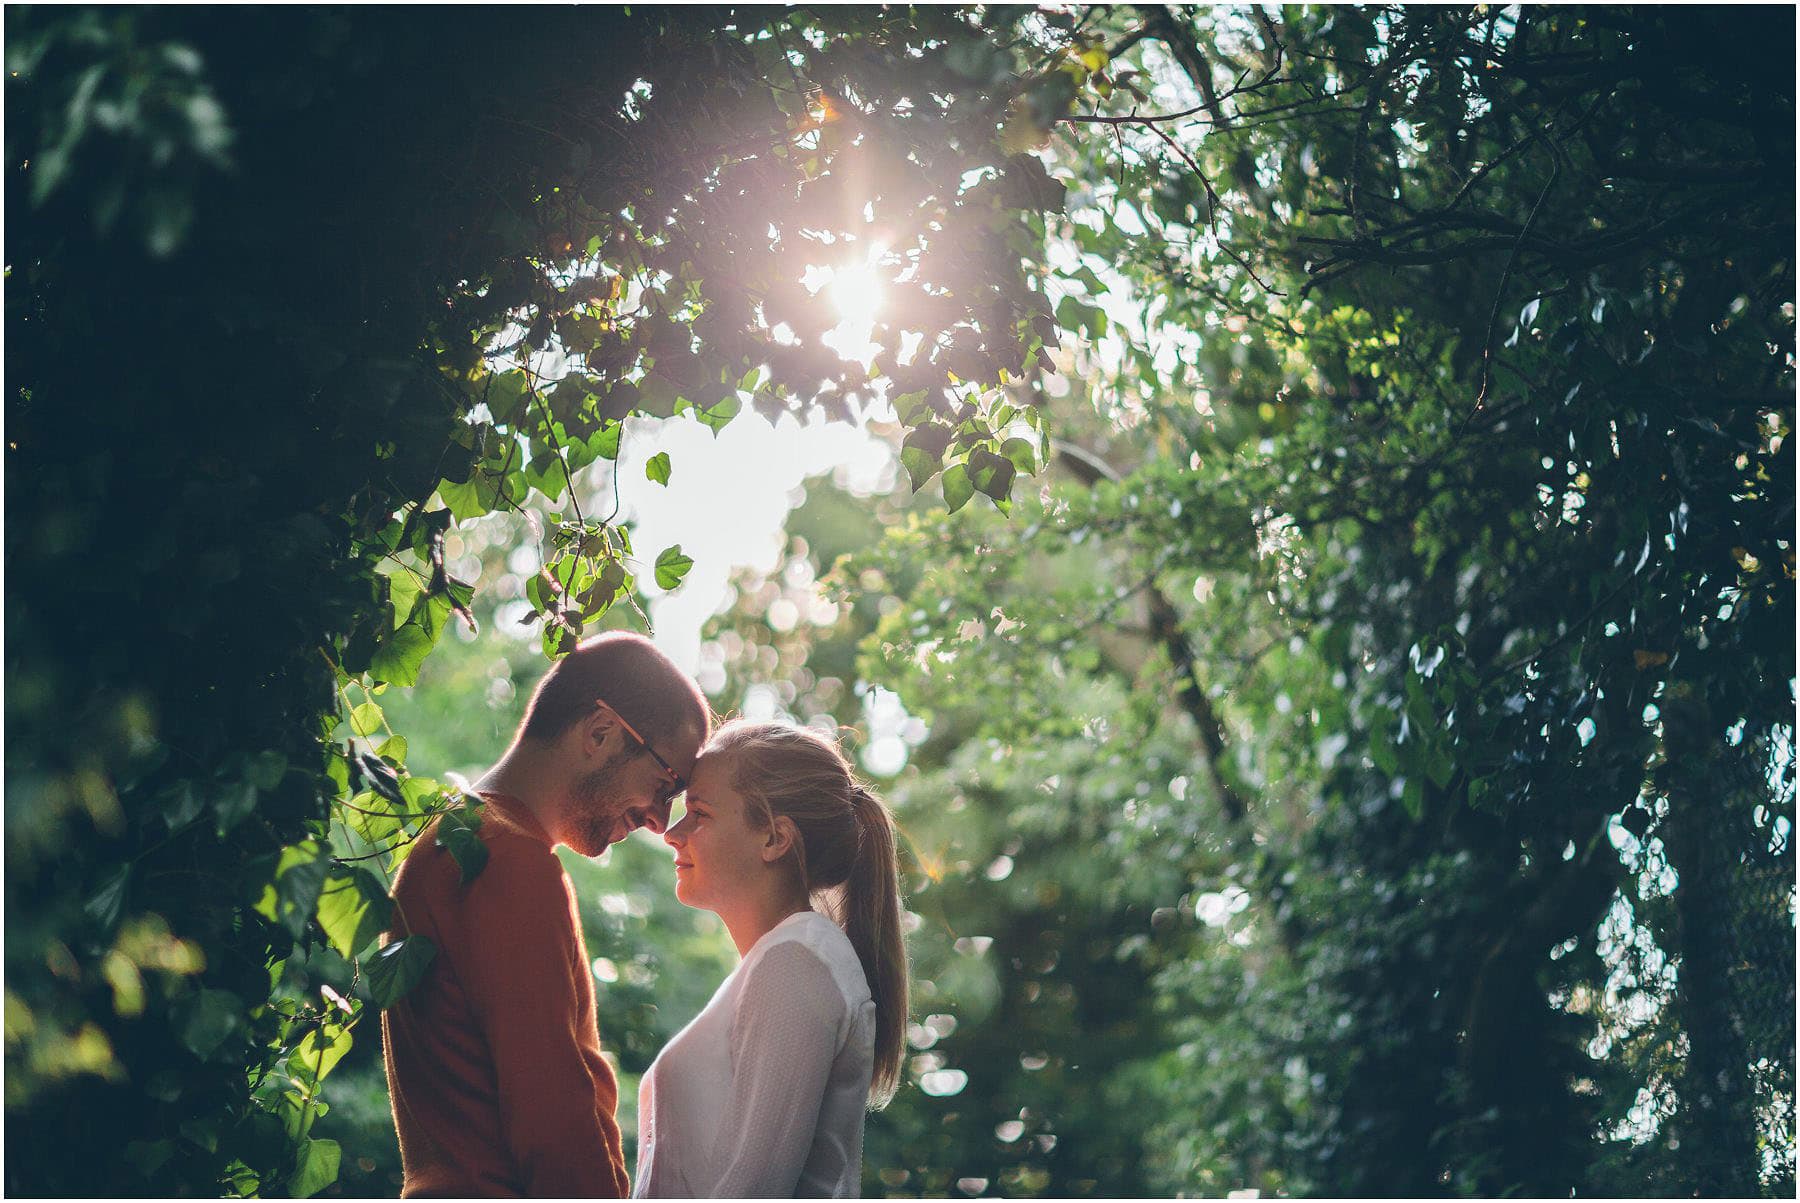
(393, 970)
(671, 567)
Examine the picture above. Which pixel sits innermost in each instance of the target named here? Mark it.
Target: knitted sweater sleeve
(789, 1024)
(527, 980)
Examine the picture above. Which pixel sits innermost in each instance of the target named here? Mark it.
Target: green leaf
(610, 580)
(657, 395)
(1028, 185)
(657, 469)
(920, 466)
(991, 474)
(545, 474)
(506, 395)
(181, 802)
(148, 1156)
(910, 405)
(239, 1181)
(538, 591)
(232, 804)
(391, 971)
(108, 903)
(479, 495)
(315, 1169)
(318, 1054)
(366, 719)
(294, 1113)
(1412, 796)
(957, 489)
(671, 566)
(1020, 452)
(267, 769)
(1440, 765)
(293, 894)
(393, 747)
(399, 656)
(353, 910)
(204, 1022)
(605, 441)
(558, 640)
(373, 816)
(403, 590)
(458, 831)
(922, 453)
(571, 393)
(717, 416)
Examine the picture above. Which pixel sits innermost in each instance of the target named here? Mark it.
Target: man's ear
(595, 728)
(782, 838)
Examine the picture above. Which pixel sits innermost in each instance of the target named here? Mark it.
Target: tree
(292, 292)
(1448, 506)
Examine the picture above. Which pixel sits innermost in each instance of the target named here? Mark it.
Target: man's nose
(656, 819)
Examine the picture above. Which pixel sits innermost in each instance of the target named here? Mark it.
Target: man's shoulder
(515, 859)
(514, 853)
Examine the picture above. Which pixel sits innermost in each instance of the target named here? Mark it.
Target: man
(493, 1060)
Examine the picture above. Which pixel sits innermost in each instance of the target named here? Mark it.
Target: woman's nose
(676, 836)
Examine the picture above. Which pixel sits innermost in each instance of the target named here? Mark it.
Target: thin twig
(1134, 118)
(1487, 342)
(1213, 206)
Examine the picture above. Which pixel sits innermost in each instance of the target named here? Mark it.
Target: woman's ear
(782, 838)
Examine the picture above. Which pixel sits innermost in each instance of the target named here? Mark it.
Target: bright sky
(727, 502)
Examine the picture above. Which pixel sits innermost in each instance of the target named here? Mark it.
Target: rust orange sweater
(493, 1060)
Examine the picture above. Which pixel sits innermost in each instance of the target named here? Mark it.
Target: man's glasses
(675, 778)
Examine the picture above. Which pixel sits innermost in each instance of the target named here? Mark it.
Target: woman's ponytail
(871, 918)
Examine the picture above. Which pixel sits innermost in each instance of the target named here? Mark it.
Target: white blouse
(764, 1093)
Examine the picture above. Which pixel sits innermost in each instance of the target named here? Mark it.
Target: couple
(494, 1066)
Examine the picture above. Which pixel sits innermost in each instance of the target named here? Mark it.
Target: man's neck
(523, 776)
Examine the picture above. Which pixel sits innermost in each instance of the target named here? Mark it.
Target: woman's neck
(760, 915)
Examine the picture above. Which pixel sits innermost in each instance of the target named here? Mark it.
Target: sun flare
(856, 290)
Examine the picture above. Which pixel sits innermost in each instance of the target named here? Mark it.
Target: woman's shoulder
(810, 937)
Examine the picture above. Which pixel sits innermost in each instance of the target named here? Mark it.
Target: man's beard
(597, 807)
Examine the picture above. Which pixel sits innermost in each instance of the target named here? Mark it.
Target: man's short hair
(630, 674)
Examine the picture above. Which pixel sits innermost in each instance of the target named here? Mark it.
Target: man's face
(627, 791)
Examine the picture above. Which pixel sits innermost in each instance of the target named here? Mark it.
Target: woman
(764, 1093)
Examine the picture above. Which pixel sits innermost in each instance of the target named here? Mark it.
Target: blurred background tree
(1420, 540)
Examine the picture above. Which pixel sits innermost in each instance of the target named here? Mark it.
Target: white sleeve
(785, 1032)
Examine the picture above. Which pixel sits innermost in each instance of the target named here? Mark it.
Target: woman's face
(718, 850)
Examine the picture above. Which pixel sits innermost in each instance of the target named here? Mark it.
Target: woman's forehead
(712, 770)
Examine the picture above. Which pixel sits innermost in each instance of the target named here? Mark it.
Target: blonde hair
(846, 856)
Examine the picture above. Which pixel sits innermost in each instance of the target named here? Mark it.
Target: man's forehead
(688, 743)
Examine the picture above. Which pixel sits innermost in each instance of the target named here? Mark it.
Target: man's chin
(594, 843)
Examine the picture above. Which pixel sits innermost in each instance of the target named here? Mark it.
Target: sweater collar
(514, 811)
